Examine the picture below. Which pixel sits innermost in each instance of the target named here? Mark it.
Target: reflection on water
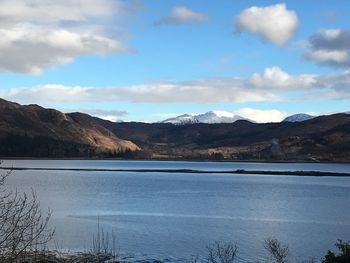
(163, 215)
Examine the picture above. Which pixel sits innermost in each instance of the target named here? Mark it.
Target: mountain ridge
(207, 117)
(52, 132)
(324, 138)
(298, 117)
(34, 131)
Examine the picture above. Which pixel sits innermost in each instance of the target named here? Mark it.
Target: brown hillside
(34, 122)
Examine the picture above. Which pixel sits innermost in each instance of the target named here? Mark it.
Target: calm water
(159, 215)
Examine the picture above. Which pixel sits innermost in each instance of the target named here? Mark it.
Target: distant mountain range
(211, 117)
(34, 131)
(208, 117)
(323, 138)
(298, 117)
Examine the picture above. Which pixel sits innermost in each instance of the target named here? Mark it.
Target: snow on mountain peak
(225, 114)
(298, 117)
(208, 117)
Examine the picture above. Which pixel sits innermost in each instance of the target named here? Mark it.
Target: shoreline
(176, 160)
(189, 171)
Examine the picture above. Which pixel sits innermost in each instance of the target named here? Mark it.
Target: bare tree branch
(23, 226)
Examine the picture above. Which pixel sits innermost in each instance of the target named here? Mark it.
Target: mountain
(208, 117)
(298, 117)
(34, 131)
(323, 138)
(180, 120)
(31, 130)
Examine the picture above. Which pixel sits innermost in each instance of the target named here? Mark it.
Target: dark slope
(33, 131)
(324, 138)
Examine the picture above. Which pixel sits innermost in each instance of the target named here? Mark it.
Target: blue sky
(150, 60)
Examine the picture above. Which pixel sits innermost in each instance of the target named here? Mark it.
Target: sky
(148, 60)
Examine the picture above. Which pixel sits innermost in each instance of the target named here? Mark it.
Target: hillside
(34, 131)
(324, 138)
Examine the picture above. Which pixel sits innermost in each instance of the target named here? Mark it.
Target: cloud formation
(181, 15)
(276, 78)
(271, 85)
(330, 47)
(110, 115)
(273, 23)
(335, 86)
(99, 112)
(201, 91)
(262, 116)
(48, 11)
(39, 34)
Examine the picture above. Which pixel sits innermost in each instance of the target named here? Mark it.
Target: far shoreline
(175, 160)
(188, 171)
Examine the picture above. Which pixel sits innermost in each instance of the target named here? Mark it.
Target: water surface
(161, 215)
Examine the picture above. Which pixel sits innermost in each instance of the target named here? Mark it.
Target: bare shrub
(104, 245)
(342, 257)
(24, 230)
(220, 252)
(278, 253)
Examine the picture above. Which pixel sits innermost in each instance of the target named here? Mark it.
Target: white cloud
(274, 23)
(48, 11)
(181, 15)
(330, 34)
(99, 112)
(39, 34)
(110, 118)
(276, 78)
(271, 85)
(210, 91)
(330, 47)
(328, 56)
(340, 83)
(110, 115)
(331, 87)
(262, 116)
(31, 49)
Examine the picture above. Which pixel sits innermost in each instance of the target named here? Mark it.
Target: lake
(175, 216)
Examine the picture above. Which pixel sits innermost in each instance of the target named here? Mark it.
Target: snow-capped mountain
(179, 120)
(298, 117)
(208, 117)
